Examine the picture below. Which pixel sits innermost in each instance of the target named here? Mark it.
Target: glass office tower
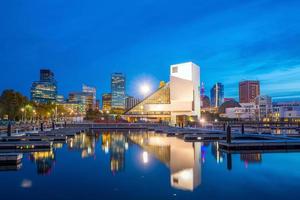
(44, 90)
(118, 91)
(217, 95)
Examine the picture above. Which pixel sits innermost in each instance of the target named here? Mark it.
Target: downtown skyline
(86, 43)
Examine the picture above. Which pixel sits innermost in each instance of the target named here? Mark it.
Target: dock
(10, 158)
(24, 146)
(240, 146)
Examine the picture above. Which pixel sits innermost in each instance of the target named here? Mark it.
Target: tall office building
(248, 91)
(44, 90)
(92, 91)
(106, 102)
(217, 95)
(46, 75)
(118, 91)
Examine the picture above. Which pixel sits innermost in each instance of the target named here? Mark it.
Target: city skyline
(230, 41)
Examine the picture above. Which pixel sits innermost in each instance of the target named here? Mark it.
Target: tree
(11, 103)
(93, 114)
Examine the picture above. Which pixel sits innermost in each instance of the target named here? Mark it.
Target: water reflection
(184, 160)
(115, 144)
(44, 161)
(181, 157)
(218, 155)
(10, 166)
(84, 142)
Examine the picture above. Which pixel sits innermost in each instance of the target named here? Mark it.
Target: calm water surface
(144, 165)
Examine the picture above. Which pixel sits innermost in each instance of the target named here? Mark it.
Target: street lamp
(34, 114)
(22, 110)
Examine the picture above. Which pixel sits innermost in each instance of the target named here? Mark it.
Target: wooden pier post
(229, 161)
(9, 129)
(42, 126)
(65, 124)
(228, 138)
(53, 125)
(243, 128)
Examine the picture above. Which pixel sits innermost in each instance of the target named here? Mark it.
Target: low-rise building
(263, 107)
(130, 102)
(106, 102)
(286, 111)
(247, 111)
(85, 99)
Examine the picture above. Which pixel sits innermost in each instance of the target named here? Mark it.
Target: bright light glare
(186, 174)
(202, 120)
(145, 89)
(145, 157)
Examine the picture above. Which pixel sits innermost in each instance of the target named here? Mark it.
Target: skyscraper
(217, 95)
(92, 91)
(118, 91)
(44, 90)
(46, 75)
(248, 91)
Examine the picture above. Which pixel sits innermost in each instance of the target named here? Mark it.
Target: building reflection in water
(84, 142)
(251, 158)
(44, 161)
(183, 158)
(218, 155)
(115, 144)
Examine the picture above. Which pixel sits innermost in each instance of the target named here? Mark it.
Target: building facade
(248, 91)
(263, 107)
(247, 111)
(83, 98)
(106, 102)
(286, 111)
(177, 102)
(118, 91)
(217, 95)
(92, 91)
(130, 102)
(44, 90)
(60, 99)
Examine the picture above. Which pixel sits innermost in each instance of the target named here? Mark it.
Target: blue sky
(86, 41)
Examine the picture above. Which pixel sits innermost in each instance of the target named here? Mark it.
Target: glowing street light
(22, 110)
(202, 120)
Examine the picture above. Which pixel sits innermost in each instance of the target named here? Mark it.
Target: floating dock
(10, 158)
(25, 146)
(35, 138)
(239, 146)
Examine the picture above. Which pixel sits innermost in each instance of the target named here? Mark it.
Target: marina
(120, 160)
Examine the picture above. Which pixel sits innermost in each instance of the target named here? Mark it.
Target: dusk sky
(86, 41)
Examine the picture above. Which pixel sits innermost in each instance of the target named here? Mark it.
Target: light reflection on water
(156, 165)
